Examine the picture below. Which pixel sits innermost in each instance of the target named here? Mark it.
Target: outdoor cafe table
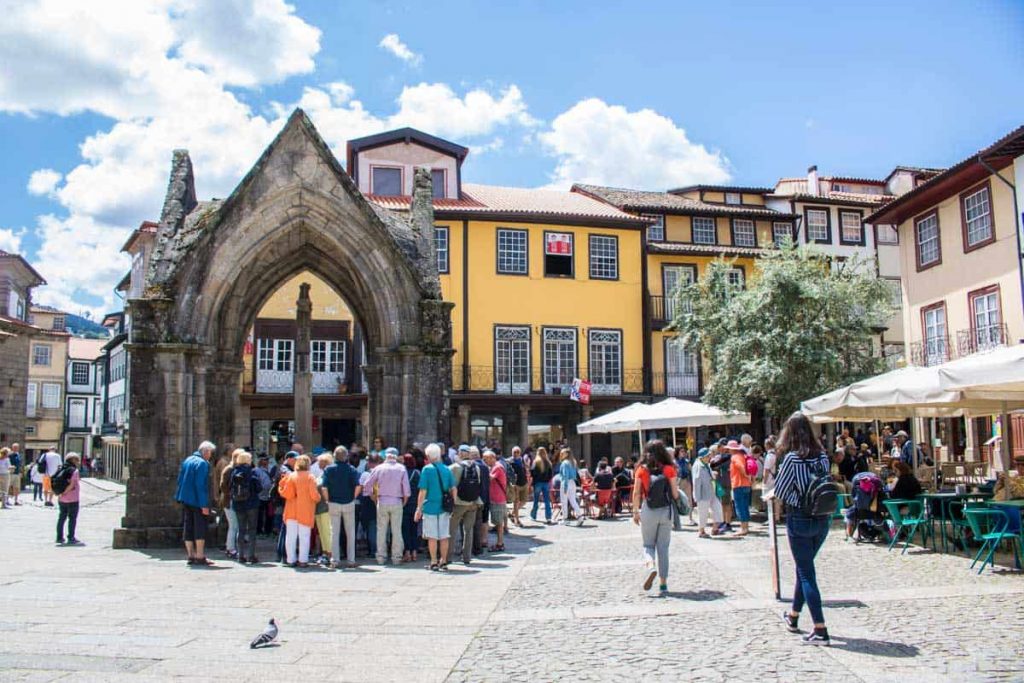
(1015, 509)
(944, 515)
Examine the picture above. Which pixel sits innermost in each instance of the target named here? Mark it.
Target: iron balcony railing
(938, 350)
(525, 381)
(663, 310)
(676, 384)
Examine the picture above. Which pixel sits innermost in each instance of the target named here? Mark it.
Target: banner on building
(558, 244)
(580, 391)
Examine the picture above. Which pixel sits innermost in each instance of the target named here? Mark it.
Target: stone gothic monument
(215, 263)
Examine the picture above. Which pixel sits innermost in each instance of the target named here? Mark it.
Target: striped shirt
(795, 475)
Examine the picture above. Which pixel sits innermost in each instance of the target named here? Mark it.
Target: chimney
(812, 181)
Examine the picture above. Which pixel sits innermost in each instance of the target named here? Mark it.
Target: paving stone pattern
(562, 603)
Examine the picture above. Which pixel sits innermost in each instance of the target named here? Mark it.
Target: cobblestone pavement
(563, 602)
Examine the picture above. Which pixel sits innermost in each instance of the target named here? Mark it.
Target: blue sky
(91, 103)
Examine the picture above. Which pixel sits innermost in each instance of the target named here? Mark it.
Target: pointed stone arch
(214, 264)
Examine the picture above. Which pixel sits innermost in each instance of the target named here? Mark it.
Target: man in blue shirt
(194, 495)
(906, 448)
(342, 483)
(435, 479)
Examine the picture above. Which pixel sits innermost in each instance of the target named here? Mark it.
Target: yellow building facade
(47, 366)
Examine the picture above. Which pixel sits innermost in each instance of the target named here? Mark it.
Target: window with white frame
(887, 234)
(327, 355)
(817, 225)
(935, 335)
(743, 233)
(437, 180)
(681, 370)
(512, 251)
(851, 227)
(77, 408)
(604, 257)
(733, 198)
(51, 395)
(559, 358)
(80, 373)
(385, 181)
(441, 247)
(673, 277)
(986, 319)
(895, 291)
(605, 356)
(656, 230)
(704, 230)
(265, 354)
(512, 359)
(59, 323)
(927, 233)
(284, 354)
(978, 217)
(782, 233)
(737, 278)
(41, 354)
(32, 399)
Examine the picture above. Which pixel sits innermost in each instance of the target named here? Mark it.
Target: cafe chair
(991, 527)
(912, 521)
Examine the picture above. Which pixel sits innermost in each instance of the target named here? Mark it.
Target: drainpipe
(1016, 225)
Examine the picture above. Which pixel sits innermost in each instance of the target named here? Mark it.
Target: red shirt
(643, 476)
(498, 482)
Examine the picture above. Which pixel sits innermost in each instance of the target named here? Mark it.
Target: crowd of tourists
(56, 482)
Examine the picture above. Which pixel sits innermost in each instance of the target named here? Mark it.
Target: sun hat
(734, 446)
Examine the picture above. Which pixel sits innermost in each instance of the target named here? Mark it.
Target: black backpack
(241, 485)
(469, 487)
(520, 472)
(659, 494)
(60, 481)
(821, 497)
(41, 464)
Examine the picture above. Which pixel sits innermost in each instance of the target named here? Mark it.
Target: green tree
(801, 327)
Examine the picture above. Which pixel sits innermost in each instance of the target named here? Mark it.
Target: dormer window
(437, 177)
(386, 181)
(732, 198)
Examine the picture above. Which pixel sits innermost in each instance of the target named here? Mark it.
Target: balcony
(523, 381)
(281, 382)
(969, 341)
(676, 384)
(663, 310)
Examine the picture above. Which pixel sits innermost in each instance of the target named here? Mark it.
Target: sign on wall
(580, 391)
(558, 244)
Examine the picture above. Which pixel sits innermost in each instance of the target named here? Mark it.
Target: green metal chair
(990, 526)
(959, 522)
(845, 501)
(913, 521)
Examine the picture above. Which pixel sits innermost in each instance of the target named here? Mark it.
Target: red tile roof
(666, 202)
(702, 249)
(25, 264)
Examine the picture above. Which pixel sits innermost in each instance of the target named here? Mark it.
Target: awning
(668, 414)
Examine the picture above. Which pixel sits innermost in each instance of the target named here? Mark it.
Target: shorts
(436, 526)
(499, 514)
(522, 494)
(47, 486)
(194, 524)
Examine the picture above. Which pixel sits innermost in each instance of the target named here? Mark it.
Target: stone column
(364, 422)
(463, 413)
(524, 425)
(588, 411)
(302, 387)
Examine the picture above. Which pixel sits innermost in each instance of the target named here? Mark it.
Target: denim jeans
(542, 489)
(410, 535)
(741, 502)
(69, 513)
(366, 514)
(246, 544)
(656, 534)
(806, 535)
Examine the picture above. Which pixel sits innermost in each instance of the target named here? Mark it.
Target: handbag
(682, 504)
(447, 502)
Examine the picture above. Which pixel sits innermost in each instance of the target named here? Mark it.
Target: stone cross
(302, 383)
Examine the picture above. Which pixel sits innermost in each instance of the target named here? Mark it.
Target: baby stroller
(866, 513)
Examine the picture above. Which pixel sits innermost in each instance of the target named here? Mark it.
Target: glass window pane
(704, 230)
(437, 180)
(387, 182)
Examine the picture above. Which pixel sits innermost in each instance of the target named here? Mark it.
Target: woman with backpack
(224, 501)
(65, 484)
(655, 490)
(803, 477)
(245, 503)
(568, 474)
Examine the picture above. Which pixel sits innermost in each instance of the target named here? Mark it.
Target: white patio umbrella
(622, 420)
(907, 392)
(996, 375)
(668, 414)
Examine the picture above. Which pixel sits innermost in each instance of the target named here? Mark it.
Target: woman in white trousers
(704, 493)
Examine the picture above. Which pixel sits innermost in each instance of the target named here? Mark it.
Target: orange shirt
(300, 495)
(738, 476)
(643, 477)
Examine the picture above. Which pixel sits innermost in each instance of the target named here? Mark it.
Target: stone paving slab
(563, 602)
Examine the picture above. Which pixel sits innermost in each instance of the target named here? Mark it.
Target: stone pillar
(364, 423)
(302, 387)
(463, 413)
(524, 425)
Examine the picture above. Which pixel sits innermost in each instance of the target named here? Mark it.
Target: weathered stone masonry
(216, 262)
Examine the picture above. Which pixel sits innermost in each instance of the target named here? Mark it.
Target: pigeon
(268, 635)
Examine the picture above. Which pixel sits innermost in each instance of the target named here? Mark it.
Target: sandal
(201, 562)
(444, 567)
(433, 567)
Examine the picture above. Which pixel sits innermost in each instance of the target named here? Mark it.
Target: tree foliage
(801, 327)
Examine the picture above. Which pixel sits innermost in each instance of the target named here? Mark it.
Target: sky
(95, 96)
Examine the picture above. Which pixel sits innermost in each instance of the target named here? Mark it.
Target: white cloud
(10, 240)
(393, 44)
(604, 144)
(44, 182)
(435, 108)
(492, 146)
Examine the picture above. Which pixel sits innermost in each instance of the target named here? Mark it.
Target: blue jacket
(193, 485)
(341, 480)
